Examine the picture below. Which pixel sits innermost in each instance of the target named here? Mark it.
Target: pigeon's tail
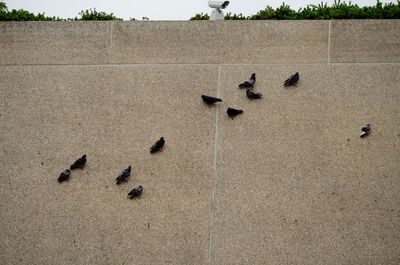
(73, 166)
(218, 99)
(242, 85)
(240, 111)
(62, 178)
(363, 134)
(153, 150)
(257, 95)
(287, 82)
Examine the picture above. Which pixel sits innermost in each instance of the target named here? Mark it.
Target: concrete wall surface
(287, 182)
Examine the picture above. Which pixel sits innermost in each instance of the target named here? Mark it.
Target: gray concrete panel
(287, 182)
(365, 41)
(53, 115)
(295, 183)
(220, 42)
(54, 42)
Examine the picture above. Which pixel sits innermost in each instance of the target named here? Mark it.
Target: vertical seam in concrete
(329, 42)
(111, 36)
(214, 171)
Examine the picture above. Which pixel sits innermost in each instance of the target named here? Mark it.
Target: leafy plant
(201, 17)
(23, 15)
(229, 16)
(93, 14)
(338, 10)
(3, 7)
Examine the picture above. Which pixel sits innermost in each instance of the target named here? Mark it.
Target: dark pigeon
(157, 146)
(249, 83)
(124, 175)
(252, 94)
(365, 130)
(64, 175)
(233, 112)
(136, 192)
(210, 100)
(80, 163)
(292, 80)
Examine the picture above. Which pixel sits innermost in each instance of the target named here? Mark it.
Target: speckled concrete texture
(216, 42)
(53, 115)
(289, 181)
(54, 42)
(295, 183)
(365, 41)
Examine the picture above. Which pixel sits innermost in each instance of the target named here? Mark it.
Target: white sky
(157, 9)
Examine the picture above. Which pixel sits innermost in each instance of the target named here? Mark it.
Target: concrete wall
(288, 182)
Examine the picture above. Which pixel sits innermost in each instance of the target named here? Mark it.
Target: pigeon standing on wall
(292, 80)
(80, 163)
(210, 100)
(64, 175)
(233, 112)
(252, 94)
(136, 192)
(157, 146)
(365, 130)
(249, 83)
(124, 175)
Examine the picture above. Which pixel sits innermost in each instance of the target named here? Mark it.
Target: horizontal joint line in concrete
(200, 64)
(112, 64)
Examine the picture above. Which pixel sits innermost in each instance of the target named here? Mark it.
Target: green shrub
(338, 10)
(23, 15)
(201, 17)
(92, 14)
(229, 16)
